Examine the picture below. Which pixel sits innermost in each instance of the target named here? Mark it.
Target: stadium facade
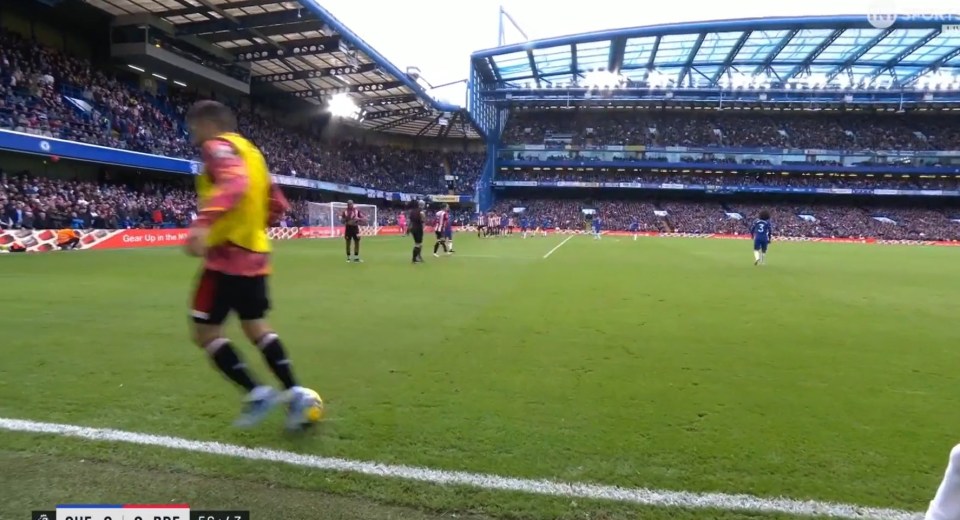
(846, 64)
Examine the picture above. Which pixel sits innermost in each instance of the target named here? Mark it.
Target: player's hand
(197, 241)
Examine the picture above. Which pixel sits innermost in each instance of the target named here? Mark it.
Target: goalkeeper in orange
(237, 201)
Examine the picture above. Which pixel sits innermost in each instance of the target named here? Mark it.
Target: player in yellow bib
(237, 202)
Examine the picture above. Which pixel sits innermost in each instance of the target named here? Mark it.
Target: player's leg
(252, 309)
(346, 242)
(946, 503)
(448, 241)
(417, 245)
(756, 253)
(763, 253)
(437, 243)
(211, 305)
(356, 248)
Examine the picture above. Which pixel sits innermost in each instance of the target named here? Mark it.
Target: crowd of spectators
(828, 131)
(28, 202)
(789, 219)
(45, 92)
(893, 182)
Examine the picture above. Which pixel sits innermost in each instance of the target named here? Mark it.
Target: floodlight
(342, 105)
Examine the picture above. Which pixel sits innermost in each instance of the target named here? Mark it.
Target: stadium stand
(48, 93)
(42, 92)
(729, 129)
(811, 220)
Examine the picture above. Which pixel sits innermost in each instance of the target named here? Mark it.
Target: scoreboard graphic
(135, 512)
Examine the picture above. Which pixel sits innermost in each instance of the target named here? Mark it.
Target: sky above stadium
(438, 36)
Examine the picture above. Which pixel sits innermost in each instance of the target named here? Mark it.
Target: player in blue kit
(634, 227)
(448, 230)
(597, 226)
(524, 225)
(762, 231)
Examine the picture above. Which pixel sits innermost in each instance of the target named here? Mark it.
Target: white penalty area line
(558, 246)
(637, 496)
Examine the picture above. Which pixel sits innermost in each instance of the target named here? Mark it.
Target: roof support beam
(268, 51)
(496, 70)
(533, 67)
(690, 57)
(250, 21)
(776, 51)
(653, 53)
(852, 59)
(204, 10)
(730, 56)
(894, 61)
(617, 47)
(427, 127)
(383, 114)
(312, 74)
(398, 122)
(933, 66)
(814, 54)
(369, 87)
(574, 68)
(389, 100)
(273, 30)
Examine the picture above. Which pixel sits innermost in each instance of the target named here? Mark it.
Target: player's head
(446, 207)
(764, 215)
(350, 204)
(207, 119)
(421, 204)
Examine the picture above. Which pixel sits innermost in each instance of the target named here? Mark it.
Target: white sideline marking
(639, 496)
(550, 252)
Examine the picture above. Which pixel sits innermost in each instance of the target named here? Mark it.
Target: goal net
(324, 217)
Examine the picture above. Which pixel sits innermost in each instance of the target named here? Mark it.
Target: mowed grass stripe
(638, 496)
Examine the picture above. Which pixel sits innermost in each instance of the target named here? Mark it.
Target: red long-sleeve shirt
(229, 174)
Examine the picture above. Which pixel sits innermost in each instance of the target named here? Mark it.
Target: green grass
(828, 374)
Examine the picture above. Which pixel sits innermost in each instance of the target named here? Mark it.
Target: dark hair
(764, 215)
(214, 112)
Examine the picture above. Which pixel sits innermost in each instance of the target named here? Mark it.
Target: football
(312, 406)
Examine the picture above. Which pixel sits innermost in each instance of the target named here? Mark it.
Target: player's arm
(279, 204)
(230, 180)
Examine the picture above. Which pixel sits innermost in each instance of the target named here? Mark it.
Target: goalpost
(325, 217)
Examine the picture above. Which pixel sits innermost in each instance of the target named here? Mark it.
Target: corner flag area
(665, 378)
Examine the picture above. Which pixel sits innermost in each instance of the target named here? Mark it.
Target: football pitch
(829, 375)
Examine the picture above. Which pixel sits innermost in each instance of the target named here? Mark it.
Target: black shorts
(352, 232)
(439, 234)
(417, 234)
(217, 294)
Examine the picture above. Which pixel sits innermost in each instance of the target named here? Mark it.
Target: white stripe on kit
(637, 496)
(550, 252)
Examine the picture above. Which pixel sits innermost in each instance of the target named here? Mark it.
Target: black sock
(436, 247)
(277, 359)
(227, 360)
(348, 249)
(415, 248)
(356, 249)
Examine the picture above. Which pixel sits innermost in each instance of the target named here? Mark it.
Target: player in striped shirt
(442, 221)
(351, 219)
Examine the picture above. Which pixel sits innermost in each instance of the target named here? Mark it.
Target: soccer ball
(312, 407)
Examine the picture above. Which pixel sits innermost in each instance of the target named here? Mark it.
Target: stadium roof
(299, 47)
(836, 51)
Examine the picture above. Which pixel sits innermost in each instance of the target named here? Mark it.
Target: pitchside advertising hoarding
(38, 241)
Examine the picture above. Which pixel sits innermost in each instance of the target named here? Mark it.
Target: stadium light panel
(342, 105)
(603, 79)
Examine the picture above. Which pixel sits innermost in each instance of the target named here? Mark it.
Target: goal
(324, 217)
